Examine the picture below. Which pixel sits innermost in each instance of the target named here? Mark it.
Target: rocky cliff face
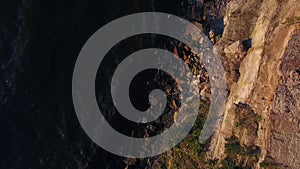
(261, 57)
(284, 134)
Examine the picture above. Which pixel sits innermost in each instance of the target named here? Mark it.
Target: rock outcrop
(266, 77)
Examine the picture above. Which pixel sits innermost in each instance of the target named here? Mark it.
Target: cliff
(261, 56)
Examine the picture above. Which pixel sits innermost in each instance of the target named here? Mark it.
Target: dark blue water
(39, 44)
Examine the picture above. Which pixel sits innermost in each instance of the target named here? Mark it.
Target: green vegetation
(218, 37)
(240, 123)
(189, 153)
(230, 163)
(233, 147)
(239, 156)
(292, 20)
(257, 118)
(211, 163)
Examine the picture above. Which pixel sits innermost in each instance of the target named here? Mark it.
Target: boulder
(235, 51)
